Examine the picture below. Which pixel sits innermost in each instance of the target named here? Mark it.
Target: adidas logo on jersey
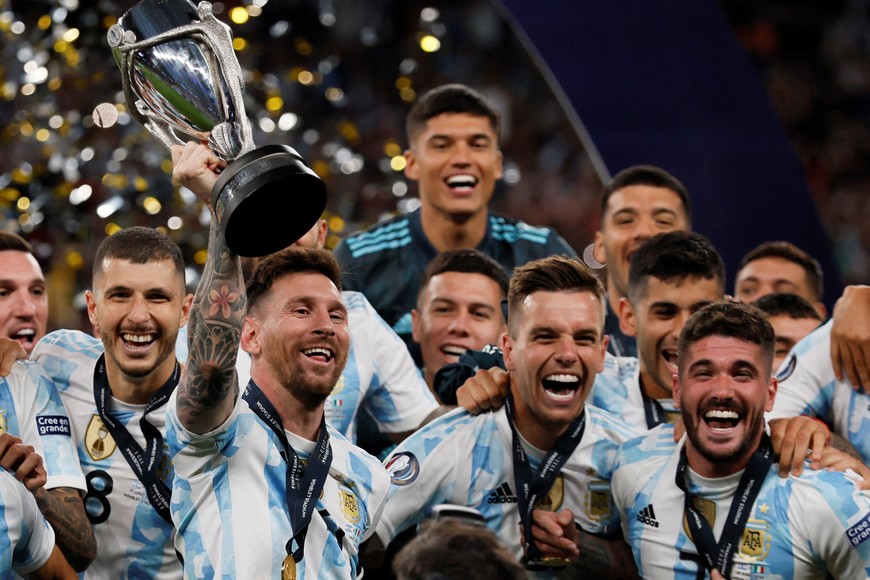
(502, 494)
(648, 516)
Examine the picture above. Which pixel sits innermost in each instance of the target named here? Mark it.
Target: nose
(721, 387)
(24, 305)
(323, 324)
(678, 322)
(566, 351)
(459, 324)
(139, 311)
(461, 154)
(645, 229)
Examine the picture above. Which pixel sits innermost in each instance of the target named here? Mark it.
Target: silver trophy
(181, 77)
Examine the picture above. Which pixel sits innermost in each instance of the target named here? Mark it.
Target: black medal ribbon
(533, 486)
(304, 484)
(655, 413)
(721, 555)
(144, 462)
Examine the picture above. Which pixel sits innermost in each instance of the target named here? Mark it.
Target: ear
(416, 326)
(598, 248)
(499, 165)
(772, 388)
(676, 390)
(411, 171)
(250, 339)
(92, 308)
(604, 342)
(627, 319)
(186, 305)
(507, 349)
(322, 229)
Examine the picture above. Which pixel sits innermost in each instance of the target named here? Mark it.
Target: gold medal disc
(288, 569)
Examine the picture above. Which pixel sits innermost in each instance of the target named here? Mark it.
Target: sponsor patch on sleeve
(53, 425)
(860, 532)
(403, 468)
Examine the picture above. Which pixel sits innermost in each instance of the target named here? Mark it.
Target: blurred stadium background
(334, 79)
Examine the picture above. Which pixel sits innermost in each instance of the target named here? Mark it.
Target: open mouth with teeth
(722, 419)
(670, 357)
(461, 183)
(452, 352)
(137, 341)
(24, 335)
(561, 387)
(319, 354)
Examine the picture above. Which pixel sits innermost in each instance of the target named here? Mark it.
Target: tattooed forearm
(214, 332)
(601, 558)
(65, 511)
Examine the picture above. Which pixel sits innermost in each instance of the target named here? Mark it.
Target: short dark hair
(465, 261)
(551, 274)
(451, 548)
(790, 252)
(450, 98)
(729, 319)
(646, 175)
(674, 257)
(291, 260)
(14, 242)
(787, 304)
(139, 245)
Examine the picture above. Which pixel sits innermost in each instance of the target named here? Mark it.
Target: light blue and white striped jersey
(31, 409)
(380, 376)
(467, 460)
(230, 507)
(799, 527)
(26, 539)
(617, 390)
(133, 541)
(807, 386)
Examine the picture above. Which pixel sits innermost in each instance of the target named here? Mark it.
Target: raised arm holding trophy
(181, 77)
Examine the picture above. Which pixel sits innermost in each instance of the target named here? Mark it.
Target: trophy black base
(267, 199)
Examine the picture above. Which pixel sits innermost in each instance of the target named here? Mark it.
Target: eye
(4, 292)
(482, 315)
(337, 317)
(38, 291)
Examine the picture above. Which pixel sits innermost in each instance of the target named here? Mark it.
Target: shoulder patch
(860, 532)
(403, 468)
(787, 368)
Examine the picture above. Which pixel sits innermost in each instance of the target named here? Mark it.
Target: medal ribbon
(304, 484)
(143, 462)
(721, 556)
(533, 486)
(655, 413)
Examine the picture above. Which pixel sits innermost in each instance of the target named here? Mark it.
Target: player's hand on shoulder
(795, 439)
(836, 460)
(850, 337)
(485, 391)
(10, 351)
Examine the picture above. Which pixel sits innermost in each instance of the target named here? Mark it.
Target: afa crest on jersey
(99, 443)
(756, 540)
(349, 506)
(598, 501)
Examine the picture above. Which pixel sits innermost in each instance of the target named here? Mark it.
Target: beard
(754, 426)
(137, 368)
(310, 386)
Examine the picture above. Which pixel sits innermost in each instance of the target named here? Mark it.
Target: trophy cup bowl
(180, 77)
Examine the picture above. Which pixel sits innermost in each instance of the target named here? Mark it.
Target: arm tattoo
(602, 558)
(65, 511)
(214, 332)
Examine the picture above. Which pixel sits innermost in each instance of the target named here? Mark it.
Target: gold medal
(288, 569)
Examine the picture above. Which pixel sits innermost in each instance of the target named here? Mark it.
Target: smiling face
(456, 161)
(723, 389)
(298, 336)
(656, 318)
(137, 310)
(23, 298)
(457, 311)
(553, 354)
(771, 274)
(634, 214)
